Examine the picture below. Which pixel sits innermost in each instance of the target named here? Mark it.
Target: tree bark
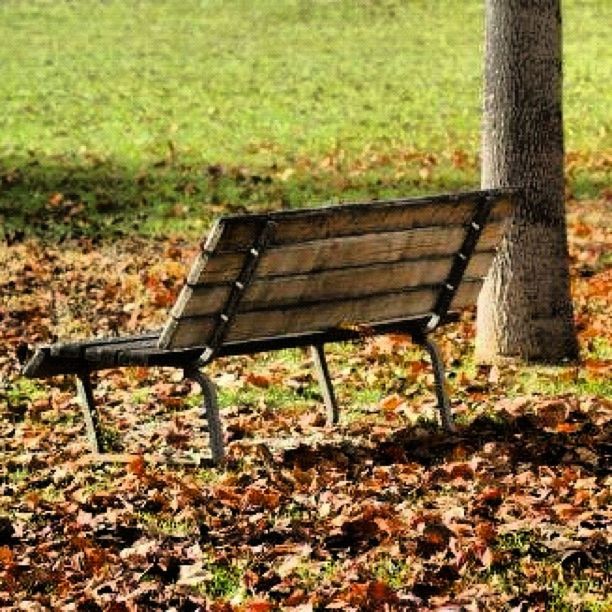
(525, 309)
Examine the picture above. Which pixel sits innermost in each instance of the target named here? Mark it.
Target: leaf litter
(384, 512)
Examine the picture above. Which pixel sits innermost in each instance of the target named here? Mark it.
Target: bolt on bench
(307, 277)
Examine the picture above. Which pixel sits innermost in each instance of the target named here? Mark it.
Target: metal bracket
(327, 389)
(211, 411)
(460, 262)
(90, 414)
(239, 286)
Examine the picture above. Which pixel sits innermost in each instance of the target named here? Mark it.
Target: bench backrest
(290, 272)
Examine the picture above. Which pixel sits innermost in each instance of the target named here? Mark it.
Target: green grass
(554, 382)
(155, 116)
(169, 526)
(600, 348)
(394, 572)
(273, 396)
(24, 389)
(566, 595)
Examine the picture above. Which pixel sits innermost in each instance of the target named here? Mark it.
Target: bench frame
(141, 350)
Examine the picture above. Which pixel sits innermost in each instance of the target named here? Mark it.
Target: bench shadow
(524, 441)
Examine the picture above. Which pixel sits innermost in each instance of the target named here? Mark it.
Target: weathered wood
(307, 317)
(291, 273)
(148, 354)
(327, 284)
(215, 268)
(184, 333)
(360, 218)
(384, 247)
(328, 275)
(242, 282)
(76, 350)
(460, 263)
(221, 258)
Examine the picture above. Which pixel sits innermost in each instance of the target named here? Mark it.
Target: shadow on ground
(525, 441)
(71, 196)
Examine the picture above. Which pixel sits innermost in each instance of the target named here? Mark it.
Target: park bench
(307, 278)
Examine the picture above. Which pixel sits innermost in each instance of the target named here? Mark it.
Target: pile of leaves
(383, 512)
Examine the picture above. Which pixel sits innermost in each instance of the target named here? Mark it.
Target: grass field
(158, 115)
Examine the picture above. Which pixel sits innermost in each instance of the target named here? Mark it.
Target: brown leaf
(7, 557)
(258, 497)
(435, 538)
(380, 593)
(84, 519)
(55, 199)
(391, 403)
(462, 470)
(491, 496)
(258, 605)
(137, 465)
(258, 380)
(551, 413)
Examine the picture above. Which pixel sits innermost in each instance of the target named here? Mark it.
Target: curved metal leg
(90, 414)
(211, 409)
(439, 377)
(327, 389)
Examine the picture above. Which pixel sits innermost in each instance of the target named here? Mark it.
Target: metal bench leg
(439, 377)
(90, 414)
(327, 389)
(211, 409)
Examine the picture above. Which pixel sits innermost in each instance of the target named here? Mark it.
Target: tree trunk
(525, 309)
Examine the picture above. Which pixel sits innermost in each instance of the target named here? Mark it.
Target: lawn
(127, 126)
(158, 115)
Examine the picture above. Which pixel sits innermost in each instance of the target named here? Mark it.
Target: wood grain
(361, 262)
(327, 284)
(324, 315)
(354, 219)
(333, 253)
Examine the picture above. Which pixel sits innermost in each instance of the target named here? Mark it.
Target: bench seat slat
(327, 284)
(44, 364)
(154, 356)
(317, 317)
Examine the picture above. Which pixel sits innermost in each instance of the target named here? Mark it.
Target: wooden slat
(201, 300)
(111, 349)
(327, 284)
(184, 333)
(215, 268)
(307, 243)
(234, 234)
(332, 253)
(222, 256)
(308, 317)
(77, 349)
(351, 219)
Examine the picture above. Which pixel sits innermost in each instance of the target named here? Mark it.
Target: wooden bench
(306, 278)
